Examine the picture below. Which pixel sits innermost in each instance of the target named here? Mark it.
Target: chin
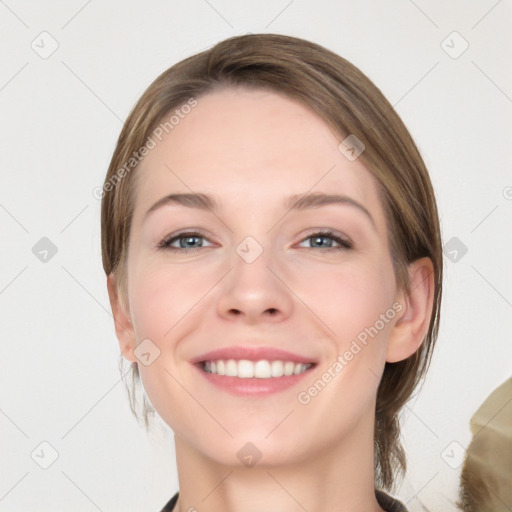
(254, 450)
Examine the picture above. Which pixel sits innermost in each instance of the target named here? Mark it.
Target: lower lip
(253, 386)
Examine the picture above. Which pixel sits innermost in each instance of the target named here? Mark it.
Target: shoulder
(388, 503)
(170, 504)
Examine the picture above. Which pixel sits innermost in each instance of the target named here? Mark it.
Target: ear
(409, 330)
(123, 325)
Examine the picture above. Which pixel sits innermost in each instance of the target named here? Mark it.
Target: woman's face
(256, 274)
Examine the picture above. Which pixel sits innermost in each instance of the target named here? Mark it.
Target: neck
(338, 478)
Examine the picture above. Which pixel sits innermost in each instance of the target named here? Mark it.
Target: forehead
(252, 146)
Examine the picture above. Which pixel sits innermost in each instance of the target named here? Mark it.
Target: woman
(273, 252)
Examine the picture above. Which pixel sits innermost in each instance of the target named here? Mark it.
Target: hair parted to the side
(350, 104)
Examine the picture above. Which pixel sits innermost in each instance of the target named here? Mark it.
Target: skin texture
(251, 149)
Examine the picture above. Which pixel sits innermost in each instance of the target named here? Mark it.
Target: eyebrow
(297, 202)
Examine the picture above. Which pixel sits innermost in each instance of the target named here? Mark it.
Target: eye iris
(322, 237)
(186, 240)
(194, 241)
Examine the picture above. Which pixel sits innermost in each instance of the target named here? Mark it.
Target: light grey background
(60, 118)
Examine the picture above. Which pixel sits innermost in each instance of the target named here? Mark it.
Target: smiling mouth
(262, 369)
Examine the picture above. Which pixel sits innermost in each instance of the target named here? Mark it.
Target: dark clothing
(387, 502)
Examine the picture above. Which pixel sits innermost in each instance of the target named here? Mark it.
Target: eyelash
(166, 243)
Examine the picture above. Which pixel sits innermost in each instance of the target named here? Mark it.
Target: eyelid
(344, 242)
(167, 240)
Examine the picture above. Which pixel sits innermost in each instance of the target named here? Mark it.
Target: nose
(255, 292)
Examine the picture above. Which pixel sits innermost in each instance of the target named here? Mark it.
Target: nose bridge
(252, 237)
(251, 250)
(252, 288)
(251, 263)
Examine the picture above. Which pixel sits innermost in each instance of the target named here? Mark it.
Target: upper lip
(251, 353)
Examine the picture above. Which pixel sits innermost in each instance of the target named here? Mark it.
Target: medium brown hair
(350, 104)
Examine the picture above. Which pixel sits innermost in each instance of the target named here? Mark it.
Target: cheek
(356, 305)
(161, 296)
(348, 298)
(162, 304)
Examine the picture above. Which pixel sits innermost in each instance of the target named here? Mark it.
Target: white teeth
(245, 369)
(263, 369)
(288, 368)
(231, 368)
(276, 369)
